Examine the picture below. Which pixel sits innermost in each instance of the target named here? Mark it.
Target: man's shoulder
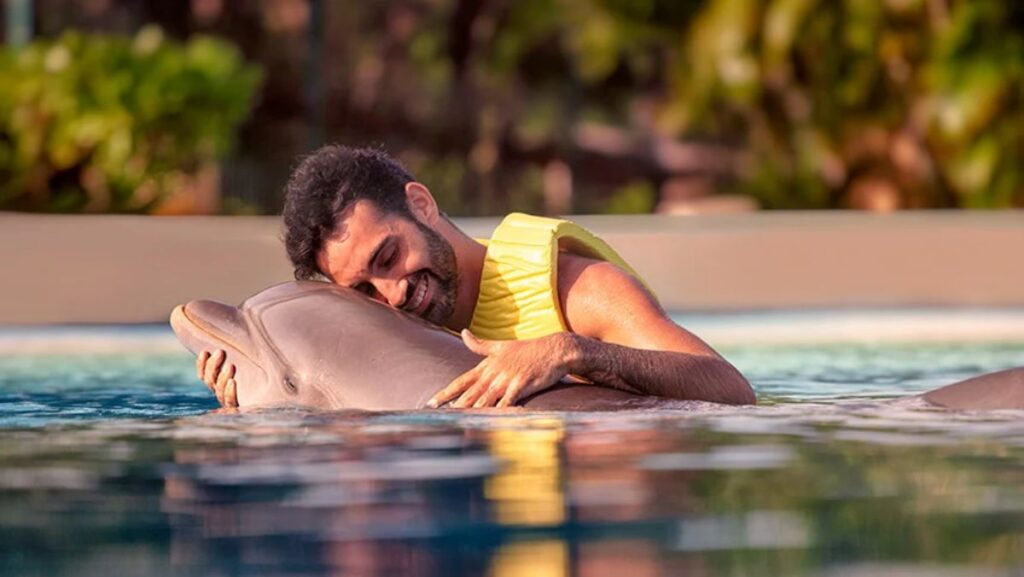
(594, 294)
(573, 264)
(591, 274)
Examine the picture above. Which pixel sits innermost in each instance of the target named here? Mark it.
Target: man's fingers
(213, 367)
(453, 390)
(475, 344)
(470, 396)
(219, 393)
(231, 393)
(490, 396)
(201, 363)
(511, 394)
(221, 384)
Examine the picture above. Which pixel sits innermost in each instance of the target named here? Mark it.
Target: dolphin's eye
(289, 386)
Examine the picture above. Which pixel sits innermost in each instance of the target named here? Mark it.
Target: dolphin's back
(1000, 390)
(363, 354)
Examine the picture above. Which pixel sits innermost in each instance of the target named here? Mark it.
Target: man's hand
(219, 378)
(511, 371)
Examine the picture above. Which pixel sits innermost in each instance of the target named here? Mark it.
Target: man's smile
(420, 295)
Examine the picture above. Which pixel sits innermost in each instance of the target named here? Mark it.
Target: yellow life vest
(519, 284)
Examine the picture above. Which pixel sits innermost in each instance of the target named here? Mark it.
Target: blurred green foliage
(877, 104)
(110, 124)
(633, 198)
(866, 103)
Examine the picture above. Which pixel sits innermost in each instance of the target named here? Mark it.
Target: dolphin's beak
(207, 326)
(202, 325)
(178, 319)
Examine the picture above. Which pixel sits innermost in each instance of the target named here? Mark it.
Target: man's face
(394, 259)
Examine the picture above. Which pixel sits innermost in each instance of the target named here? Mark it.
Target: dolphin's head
(317, 344)
(265, 377)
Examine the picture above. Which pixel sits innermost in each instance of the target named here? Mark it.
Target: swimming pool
(113, 464)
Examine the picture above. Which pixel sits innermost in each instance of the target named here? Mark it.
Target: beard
(443, 273)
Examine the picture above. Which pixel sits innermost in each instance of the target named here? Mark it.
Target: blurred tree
(111, 124)
(879, 105)
(612, 105)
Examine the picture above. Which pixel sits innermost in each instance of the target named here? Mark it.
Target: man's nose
(394, 291)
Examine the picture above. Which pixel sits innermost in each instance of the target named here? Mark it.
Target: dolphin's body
(988, 392)
(319, 345)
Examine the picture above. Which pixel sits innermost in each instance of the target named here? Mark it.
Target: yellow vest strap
(519, 285)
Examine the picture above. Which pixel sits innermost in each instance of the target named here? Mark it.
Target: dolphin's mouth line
(203, 328)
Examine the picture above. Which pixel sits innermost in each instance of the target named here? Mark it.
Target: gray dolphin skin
(319, 345)
(989, 392)
(322, 346)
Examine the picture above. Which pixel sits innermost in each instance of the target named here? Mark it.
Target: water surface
(113, 464)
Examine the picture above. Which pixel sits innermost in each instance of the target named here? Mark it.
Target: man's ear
(421, 202)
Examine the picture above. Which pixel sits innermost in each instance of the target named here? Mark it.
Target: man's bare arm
(623, 338)
(661, 373)
(619, 337)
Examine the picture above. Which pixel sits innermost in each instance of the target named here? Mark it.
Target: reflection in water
(847, 487)
(527, 490)
(544, 558)
(576, 495)
(796, 490)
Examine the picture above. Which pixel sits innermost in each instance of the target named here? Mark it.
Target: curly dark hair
(324, 185)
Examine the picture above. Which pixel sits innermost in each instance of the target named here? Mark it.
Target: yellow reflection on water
(528, 488)
(548, 558)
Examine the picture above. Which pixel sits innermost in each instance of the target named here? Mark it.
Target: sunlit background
(753, 118)
(544, 106)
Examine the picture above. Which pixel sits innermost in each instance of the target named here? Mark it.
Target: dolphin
(320, 345)
(988, 392)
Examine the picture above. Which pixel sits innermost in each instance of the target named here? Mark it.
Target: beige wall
(109, 269)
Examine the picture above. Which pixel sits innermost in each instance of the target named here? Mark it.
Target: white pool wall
(135, 269)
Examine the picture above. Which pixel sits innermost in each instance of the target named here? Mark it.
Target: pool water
(112, 462)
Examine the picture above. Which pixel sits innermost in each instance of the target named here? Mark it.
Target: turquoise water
(114, 464)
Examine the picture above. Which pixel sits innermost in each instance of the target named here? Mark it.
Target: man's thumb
(478, 346)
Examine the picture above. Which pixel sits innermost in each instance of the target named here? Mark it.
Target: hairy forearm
(660, 373)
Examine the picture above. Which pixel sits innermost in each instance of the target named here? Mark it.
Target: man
(543, 299)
